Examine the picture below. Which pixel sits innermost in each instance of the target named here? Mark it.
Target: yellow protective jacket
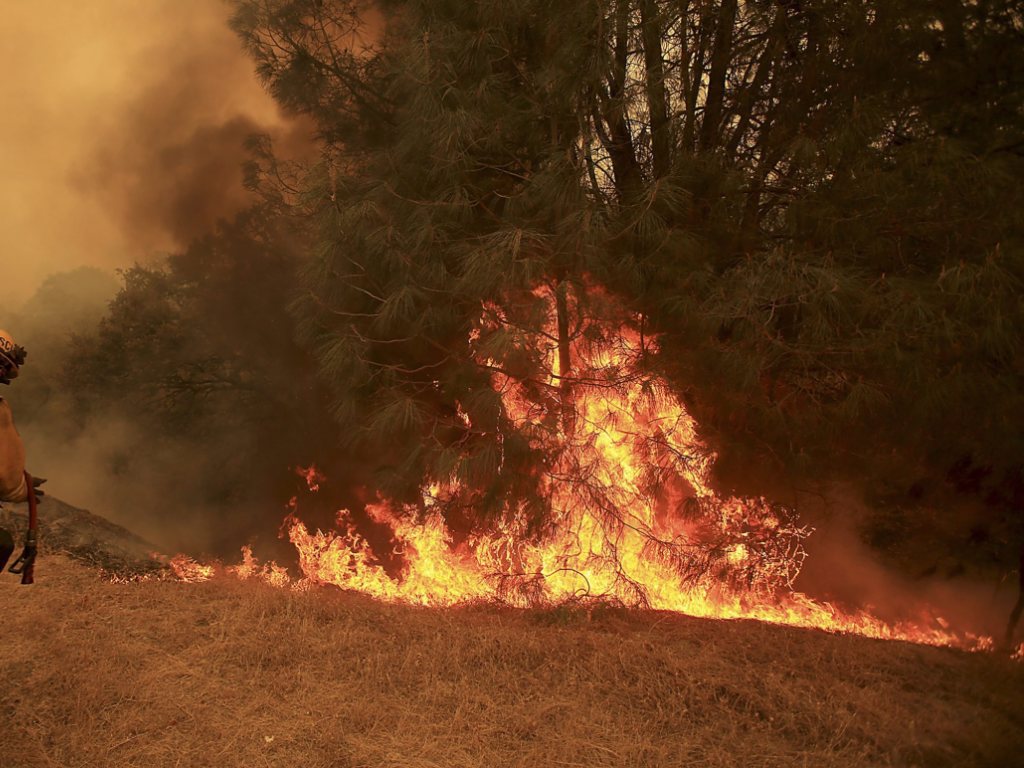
(12, 458)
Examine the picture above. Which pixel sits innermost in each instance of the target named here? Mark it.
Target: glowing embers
(312, 476)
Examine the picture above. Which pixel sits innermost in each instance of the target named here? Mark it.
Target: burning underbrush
(633, 518)
(237, 673)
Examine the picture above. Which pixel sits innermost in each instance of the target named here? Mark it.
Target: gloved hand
(36, 482)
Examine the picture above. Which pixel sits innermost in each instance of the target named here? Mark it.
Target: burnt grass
(233, 673)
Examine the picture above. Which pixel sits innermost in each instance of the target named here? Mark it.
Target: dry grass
(238, 674)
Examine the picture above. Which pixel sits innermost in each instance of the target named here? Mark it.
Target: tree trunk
(657, 102)
(565, 393)
(696, 77)
(754, 92)
(619, 141)
(720, 57)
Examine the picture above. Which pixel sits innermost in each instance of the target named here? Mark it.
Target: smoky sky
(122, 131)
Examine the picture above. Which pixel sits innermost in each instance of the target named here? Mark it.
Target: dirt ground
(232, 673)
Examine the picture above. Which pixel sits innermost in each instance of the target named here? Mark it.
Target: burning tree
(456, 192)
(454, 308)
(517, 198)
(624, 479)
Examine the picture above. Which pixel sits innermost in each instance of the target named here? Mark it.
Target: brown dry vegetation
(232, 673)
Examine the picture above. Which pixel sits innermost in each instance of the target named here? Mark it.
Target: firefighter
(12, 452)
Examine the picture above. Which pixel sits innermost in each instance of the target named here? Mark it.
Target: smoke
(148, 500)
(82, 462)
(171, 165)
(124, 131)
(920, 575)
(124, 137)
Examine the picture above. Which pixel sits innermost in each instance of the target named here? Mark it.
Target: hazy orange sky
(121, 123)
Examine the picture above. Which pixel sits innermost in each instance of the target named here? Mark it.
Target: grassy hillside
(231, 673)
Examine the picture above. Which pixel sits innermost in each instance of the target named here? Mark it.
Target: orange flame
(634, 517)
(250, 568)
(186, 569)
(312, 476)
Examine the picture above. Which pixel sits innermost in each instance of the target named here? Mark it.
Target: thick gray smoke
(123, 132)
(909, 577)
(124, 138)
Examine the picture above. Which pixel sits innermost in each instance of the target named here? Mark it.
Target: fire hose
(26, 562)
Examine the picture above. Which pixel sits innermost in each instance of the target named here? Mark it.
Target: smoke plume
(124, 131)
(124, 138)
(911, 574)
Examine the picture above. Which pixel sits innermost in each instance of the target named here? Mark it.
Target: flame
(312, 476)
(186, 569)
(634, 518)
(250, 568)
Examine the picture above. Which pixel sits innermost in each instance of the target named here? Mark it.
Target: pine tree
(813, 205)
(462, 203)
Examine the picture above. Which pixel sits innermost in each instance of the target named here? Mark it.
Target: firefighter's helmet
(12, 357)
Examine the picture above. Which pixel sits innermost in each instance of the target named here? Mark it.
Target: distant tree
(201, 351)
(65, 304)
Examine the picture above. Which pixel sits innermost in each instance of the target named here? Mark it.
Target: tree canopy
(814, 206)
(807, 214)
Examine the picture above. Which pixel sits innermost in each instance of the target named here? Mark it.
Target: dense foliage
(813, 206)
(195, 365)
